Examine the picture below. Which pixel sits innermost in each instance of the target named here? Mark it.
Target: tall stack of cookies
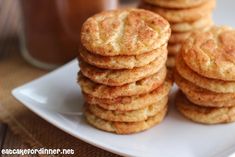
(205, 73)
(122, 70)
(184, 16)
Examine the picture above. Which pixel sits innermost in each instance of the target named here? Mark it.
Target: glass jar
(50, 35)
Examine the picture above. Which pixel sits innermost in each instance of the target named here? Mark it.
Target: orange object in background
(51, 29)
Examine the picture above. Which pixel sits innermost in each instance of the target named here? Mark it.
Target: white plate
(57, 98)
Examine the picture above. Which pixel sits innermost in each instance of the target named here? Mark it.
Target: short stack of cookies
(184, 16)
(122, 70)
(205, 73)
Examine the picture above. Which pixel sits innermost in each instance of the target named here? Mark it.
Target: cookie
(122, 77)
(201, 102)
(121, 62)
(177, 38)
(180, 37)
(128, 116)
(203, 97)
(192, 26)
(173, 49)
(124, 32)
(212, 53)
(125, 127)
(217, 86)
(170, 63)
(136, 88)
(206, 115)
(132, 102)
(177, 4)
(181, 15)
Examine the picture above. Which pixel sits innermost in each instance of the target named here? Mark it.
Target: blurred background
(46, 32)
(9, 27)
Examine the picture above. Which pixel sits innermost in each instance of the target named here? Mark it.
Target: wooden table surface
(9, 27)
(10, 140)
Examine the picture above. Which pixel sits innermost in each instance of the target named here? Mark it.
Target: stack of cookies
(122, 70)
(184, 16)
(205, 73)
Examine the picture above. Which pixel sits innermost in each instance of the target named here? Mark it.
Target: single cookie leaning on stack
(123, 74)
(205, 74)
(185, 16)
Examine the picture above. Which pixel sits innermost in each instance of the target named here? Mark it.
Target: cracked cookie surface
(124, 32)
(211, 53)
